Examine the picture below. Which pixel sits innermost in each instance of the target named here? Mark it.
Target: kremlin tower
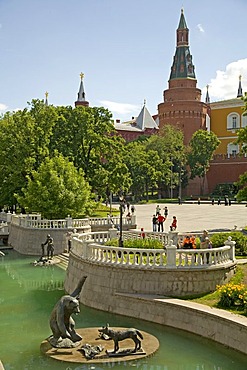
(81, 94)
(182, 106)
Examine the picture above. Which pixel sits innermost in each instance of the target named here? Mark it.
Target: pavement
(193, 217)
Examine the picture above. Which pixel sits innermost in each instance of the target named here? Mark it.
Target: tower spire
(240, 91)
(207, 99)
(46, 98)
(182, 66)
(81, 94)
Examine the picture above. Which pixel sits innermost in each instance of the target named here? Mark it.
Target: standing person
(173, 226)
(219, 201)
(128, 206)
(199, 201)
(142, 233)
(166, 212)
(132, 209)
(212, 201)
(161, 220)
(158, 209)
(154, 222)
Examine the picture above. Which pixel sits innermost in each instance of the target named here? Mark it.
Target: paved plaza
(194, 217)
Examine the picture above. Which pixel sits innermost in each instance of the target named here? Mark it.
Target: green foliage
(202, 146)
(137, 243)
(225, 189)
(88, 138)
(24, 137)
(242, 183)
(240, 239)
(233, 295)
(144, 166)
(56, 189)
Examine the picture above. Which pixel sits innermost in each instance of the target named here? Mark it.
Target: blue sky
(124, 47)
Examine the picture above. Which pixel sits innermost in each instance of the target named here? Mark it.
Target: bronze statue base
(150, 345)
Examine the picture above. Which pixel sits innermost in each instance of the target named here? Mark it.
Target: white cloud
(120, 108)
(3, 107)
(225, 85)
(200, 28)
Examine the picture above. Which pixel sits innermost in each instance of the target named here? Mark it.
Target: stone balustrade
(87, 246)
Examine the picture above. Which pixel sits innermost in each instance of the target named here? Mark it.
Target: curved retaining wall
(138, 293)
(28, 241)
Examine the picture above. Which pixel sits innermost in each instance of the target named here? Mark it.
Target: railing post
(9, 217)
(231, 243)
(171, 254)
(133, 219)
(173, 235)
(69, 221)
(112, 233)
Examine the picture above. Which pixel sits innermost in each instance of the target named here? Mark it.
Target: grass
(212, 299)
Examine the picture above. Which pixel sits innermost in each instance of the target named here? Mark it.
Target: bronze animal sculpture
(119, 335)
(61, 322)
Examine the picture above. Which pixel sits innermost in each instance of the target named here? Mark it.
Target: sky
(125, 49)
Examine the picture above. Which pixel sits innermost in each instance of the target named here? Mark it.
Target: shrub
(137, 243)
(233, 295)
(218, 240)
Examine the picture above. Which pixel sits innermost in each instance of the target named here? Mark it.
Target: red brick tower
(81, 94)
(182, 106)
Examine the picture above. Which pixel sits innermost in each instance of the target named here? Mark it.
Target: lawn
(212, 299)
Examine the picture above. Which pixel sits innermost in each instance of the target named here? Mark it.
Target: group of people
(189, 241)
(158, 220)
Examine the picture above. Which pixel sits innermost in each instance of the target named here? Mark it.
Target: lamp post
(171, 185)
(120, 241)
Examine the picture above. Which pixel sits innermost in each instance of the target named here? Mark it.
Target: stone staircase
(63, 260)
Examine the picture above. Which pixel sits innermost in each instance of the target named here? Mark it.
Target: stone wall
(140, 293)
(28, 241)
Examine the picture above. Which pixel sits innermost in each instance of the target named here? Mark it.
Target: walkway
(194, 217)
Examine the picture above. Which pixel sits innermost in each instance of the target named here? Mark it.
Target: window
(233, 121)
(232, 149)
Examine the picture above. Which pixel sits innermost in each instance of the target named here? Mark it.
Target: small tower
(46, 98)
(81, 94)
(240, 91)
(207, 99)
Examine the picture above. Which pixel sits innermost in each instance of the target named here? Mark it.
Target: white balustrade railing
(114, 220)
(86, 247)
(35, 221)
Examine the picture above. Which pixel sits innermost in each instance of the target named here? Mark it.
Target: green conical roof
(182, 66)
(182, 23)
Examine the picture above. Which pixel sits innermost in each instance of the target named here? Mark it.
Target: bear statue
(62, 324)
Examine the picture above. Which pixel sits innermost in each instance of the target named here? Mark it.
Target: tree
(88, 138)
(242, 139)
(56, 189)
(171, 151)
(143, 166)
(24, 138)
(201, 148)
(242, 182)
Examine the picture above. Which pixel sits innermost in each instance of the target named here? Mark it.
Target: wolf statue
(118, 335)
(61, 323)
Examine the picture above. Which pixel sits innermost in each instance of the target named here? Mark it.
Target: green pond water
(27, 296)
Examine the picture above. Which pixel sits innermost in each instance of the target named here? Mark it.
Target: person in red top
(161, 219)
(173, 226)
